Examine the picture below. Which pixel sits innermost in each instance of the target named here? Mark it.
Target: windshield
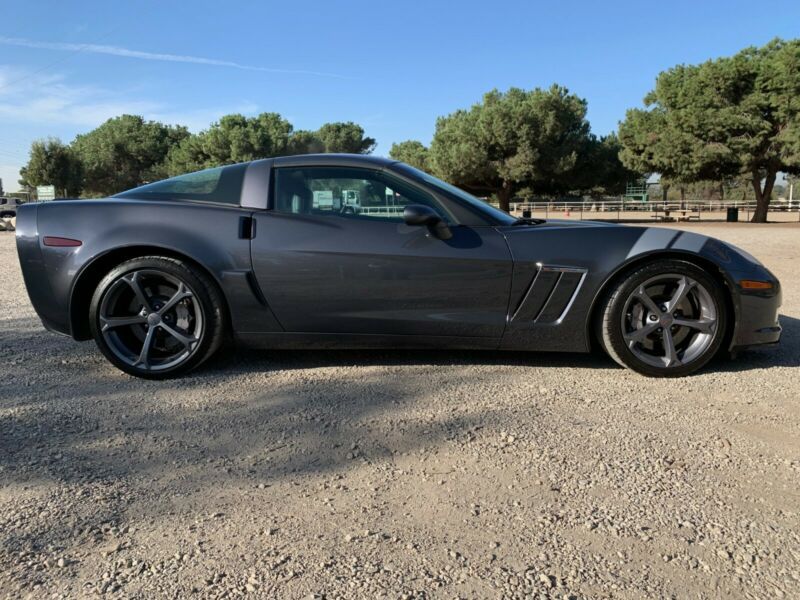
(495, 213)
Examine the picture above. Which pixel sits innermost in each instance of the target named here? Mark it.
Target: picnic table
(682, 215)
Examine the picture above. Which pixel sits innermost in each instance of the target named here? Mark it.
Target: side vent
(550, 294)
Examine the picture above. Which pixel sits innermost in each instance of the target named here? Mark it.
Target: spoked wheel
(156, 317)
(666, 319)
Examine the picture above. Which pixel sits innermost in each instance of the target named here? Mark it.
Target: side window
(349, 193)
(220, 184)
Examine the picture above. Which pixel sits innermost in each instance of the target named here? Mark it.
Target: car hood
(573, 223)
(594, 244)
(560, 224)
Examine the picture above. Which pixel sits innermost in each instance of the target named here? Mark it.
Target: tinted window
(486, 208)
(349, 193)
(221, 184)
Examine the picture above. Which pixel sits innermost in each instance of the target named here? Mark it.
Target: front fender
(725, 262)
(604, 252)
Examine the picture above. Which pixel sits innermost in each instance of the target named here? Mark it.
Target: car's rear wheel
(665, 319)
(157, 317)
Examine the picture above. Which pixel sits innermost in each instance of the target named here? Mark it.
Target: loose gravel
(399, 474)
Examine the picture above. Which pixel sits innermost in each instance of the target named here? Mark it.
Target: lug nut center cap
(665, 320)
(153, 319)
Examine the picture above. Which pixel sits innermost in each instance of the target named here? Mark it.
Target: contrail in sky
(128, 53)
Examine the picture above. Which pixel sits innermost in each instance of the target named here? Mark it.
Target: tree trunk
(763, 196)
(721, 191)
(504, 195)
(683, 198)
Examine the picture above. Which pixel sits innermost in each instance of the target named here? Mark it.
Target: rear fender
(206, 235)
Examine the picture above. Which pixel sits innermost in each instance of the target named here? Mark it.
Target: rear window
(221, 184)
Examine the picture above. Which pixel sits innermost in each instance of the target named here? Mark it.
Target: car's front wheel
(665, 319)
(156, 317)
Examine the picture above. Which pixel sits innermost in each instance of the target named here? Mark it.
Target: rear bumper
(36, 274)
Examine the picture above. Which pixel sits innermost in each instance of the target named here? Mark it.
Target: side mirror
(419, 214)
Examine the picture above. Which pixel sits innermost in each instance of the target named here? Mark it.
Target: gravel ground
(400, 474)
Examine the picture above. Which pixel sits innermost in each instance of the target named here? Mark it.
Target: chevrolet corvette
(345, 251)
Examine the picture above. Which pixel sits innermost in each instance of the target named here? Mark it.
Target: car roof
(330, 160)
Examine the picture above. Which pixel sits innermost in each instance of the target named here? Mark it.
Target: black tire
(196, 321)
(624, 317)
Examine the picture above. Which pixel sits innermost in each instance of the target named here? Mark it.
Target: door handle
(247, 228)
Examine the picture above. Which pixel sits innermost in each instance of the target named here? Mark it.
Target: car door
(333, 255)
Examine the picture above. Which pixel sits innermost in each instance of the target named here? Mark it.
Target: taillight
(60, 242)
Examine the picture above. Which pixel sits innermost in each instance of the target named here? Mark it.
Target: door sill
(362, 341)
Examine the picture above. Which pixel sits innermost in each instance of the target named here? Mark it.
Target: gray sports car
(340, 251)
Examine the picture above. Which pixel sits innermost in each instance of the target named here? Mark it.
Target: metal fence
(617, 209)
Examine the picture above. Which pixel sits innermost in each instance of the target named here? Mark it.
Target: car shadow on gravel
(245, 360)
(139, 446)
(213, 424)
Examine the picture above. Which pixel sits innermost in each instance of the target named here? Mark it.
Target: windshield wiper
(529, 221)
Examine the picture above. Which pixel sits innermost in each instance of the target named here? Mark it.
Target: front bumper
(758, 320)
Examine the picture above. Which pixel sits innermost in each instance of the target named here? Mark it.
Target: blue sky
(65, 67)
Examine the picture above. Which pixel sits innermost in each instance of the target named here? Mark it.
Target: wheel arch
(89, 277)
(640, 260)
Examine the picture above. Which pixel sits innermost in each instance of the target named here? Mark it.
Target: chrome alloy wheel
(669, 320)
(151, 320)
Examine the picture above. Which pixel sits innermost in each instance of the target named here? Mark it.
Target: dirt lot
(400, 475)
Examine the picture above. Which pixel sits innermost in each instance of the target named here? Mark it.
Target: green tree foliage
(124, 152)
(345, 137)
(723, 119)
(411, 152)
(512, 140)
(127, 151)
(305, 142)
(51, 162)
(234, 138)
(599, 169)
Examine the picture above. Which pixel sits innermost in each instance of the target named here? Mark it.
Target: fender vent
(550, 294)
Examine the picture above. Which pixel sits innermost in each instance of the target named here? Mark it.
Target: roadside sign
(46, 192)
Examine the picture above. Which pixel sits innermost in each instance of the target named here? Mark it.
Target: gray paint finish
(312, 280)
(340, 275)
